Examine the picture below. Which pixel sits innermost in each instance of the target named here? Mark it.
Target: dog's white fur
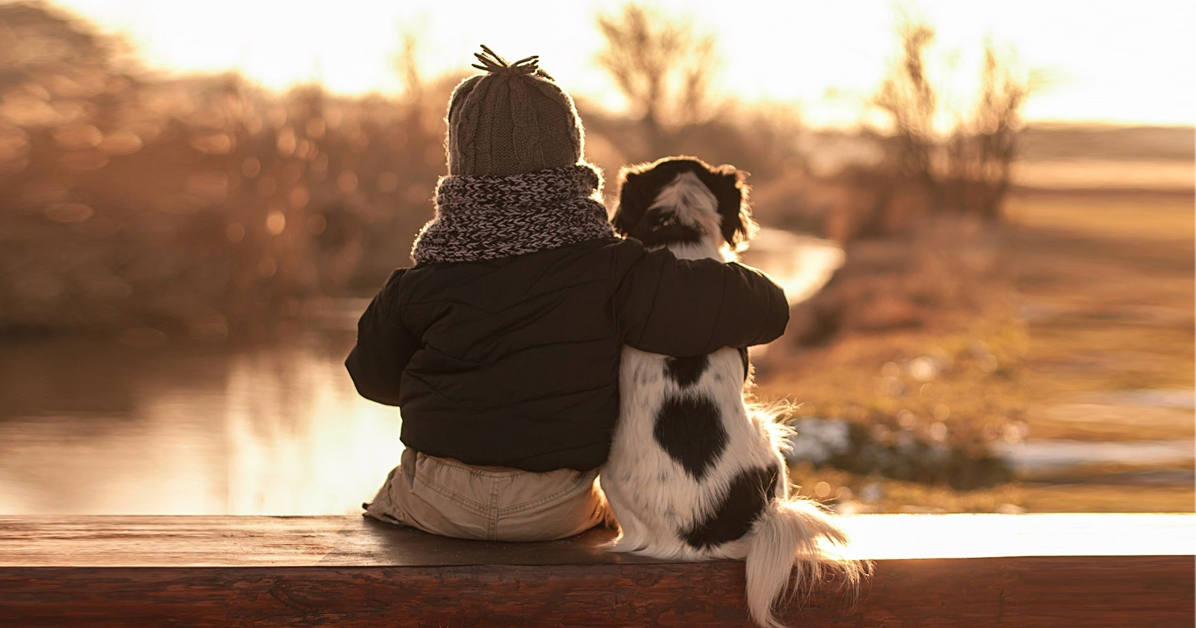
(654, 499)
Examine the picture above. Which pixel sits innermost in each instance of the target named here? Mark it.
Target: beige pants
(450, 498)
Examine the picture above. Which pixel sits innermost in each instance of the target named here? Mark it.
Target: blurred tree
(62, 83)
(983, 144)
(197, 205)
(910, 102)
(968, 170)
(662, 66)
(53, 42)
(65, 94)
(997, 121)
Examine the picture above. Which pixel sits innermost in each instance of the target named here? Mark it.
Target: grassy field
(1089, 303)
(1108, 284)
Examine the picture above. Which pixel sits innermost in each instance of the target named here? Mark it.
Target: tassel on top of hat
(491, 62)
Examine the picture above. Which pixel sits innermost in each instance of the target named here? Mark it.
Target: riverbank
(1081, 372)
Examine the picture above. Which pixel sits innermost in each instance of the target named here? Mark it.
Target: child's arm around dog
(658, 304)
(693, 307)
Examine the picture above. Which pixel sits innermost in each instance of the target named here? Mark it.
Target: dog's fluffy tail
(793, 533)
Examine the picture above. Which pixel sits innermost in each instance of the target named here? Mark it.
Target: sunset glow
(1113, 62)
(979, 213)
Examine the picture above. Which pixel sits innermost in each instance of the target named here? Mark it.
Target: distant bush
(965, 170)
(198, 206)
(899, 454)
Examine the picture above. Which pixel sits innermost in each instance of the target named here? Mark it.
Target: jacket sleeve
(383, 347)
(693, 307)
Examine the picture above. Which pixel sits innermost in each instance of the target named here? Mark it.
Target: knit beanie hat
(513, 119)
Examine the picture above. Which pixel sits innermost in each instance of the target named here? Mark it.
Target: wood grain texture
(339, 571)
(1030, 591)
(224, 541)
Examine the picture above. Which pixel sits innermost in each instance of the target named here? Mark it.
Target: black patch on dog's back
(748, 495)
(690, 430)
(686, 371)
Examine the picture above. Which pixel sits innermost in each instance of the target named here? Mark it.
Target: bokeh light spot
(276, 222)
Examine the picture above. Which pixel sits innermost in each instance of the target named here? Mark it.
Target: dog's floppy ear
(731, 189)
(632, 200)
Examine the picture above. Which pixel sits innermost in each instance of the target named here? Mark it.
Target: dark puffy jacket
(515, 362)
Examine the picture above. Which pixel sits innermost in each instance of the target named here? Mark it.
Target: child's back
(502, 343)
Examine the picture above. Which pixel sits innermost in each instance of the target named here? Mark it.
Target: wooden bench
(930, 570)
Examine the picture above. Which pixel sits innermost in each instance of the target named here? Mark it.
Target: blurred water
(801, 264)
(1051, 455)
(97, 427)
(101, 428)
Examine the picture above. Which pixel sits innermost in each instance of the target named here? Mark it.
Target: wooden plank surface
(341, 571)
(175, 541)
(1026, 591)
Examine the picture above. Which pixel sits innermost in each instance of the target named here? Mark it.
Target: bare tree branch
(661, 65)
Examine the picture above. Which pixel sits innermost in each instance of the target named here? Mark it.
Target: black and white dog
(695, 472)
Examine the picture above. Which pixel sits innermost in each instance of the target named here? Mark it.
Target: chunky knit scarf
(489, 217)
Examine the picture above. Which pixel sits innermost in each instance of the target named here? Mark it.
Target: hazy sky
(1127, 61)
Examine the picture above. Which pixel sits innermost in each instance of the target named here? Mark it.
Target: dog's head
(684, 200)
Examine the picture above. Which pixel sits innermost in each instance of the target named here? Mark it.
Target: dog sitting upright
(695, 472)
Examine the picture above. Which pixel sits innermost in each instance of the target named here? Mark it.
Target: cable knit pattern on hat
(486, 217)
(513, 119)
(525, 139)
